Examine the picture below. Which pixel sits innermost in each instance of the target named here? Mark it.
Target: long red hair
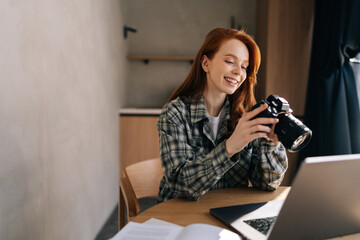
(194, 85)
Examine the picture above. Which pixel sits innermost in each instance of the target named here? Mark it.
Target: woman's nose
(237, 70)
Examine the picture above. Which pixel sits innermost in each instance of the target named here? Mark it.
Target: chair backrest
(142, 179)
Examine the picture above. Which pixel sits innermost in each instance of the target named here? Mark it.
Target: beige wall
(62, 71)
(173, 28)
(63, 77)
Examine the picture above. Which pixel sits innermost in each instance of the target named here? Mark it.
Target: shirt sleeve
(269, 163)
(189, 173)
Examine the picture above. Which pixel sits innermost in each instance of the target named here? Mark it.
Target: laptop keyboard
(261, 224)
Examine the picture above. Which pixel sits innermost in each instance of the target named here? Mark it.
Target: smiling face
(226, 71)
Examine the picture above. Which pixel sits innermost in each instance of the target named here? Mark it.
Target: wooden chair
(142, 179)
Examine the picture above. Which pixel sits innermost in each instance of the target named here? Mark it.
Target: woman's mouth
(231, 81)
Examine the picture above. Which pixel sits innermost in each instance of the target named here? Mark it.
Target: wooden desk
(184, 212)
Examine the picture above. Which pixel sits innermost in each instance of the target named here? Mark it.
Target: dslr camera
(292, 133)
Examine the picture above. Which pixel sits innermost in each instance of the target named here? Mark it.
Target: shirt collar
(198, 111)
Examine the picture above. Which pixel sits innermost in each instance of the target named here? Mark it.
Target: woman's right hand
(248, 129)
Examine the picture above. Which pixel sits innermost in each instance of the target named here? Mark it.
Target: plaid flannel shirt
(194, 164)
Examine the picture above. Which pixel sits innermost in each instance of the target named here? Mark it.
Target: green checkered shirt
(194, 164)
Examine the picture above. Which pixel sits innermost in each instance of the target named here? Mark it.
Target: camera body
(292, 133)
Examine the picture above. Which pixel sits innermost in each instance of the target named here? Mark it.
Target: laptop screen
(322, 203)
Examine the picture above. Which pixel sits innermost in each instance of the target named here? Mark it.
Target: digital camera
(292, 133)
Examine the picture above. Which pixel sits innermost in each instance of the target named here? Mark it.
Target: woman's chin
(230, 91)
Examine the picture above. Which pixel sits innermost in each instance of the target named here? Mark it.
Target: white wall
(62, 71)
(63, 77)
(173, 28)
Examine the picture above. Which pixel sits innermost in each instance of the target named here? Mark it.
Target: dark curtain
(332, 105)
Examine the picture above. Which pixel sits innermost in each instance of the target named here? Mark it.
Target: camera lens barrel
(292, 133)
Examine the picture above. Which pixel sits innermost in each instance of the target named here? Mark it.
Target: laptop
(324, 202)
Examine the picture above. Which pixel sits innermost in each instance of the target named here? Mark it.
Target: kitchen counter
(140, 111)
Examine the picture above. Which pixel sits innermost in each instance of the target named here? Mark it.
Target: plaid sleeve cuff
(267, 145)
(221, 163)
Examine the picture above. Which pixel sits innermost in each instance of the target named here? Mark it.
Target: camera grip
(267, 113)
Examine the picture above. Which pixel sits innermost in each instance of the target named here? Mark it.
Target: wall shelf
(146, 59)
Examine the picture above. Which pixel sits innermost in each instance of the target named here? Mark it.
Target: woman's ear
(205, 63)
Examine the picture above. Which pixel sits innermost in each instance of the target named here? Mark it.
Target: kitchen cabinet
(138, 136)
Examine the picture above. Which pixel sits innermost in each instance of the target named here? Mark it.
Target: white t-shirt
(214, 124)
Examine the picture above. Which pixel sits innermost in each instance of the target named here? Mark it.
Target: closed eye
(230, 62)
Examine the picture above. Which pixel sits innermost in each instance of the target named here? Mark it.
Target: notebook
(324, 202)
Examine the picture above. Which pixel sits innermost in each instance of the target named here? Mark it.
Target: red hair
(194, 85)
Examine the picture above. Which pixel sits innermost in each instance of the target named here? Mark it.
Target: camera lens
(293, 134)
(299, 141)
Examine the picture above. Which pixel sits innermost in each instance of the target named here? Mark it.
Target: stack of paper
(155, 229)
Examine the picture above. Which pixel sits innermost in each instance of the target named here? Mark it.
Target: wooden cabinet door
(139, 139)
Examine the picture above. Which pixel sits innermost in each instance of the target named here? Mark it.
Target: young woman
(209, 138)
